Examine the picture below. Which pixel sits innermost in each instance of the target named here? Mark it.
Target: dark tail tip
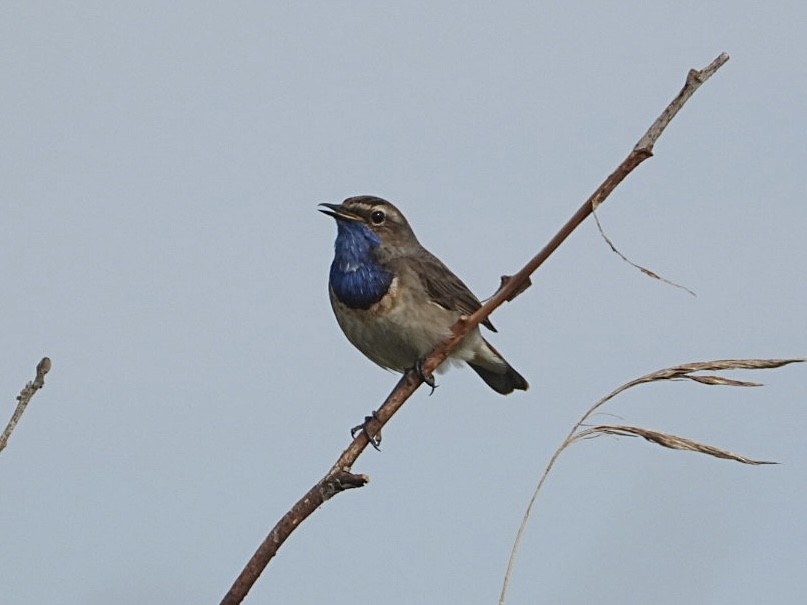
(504, 383)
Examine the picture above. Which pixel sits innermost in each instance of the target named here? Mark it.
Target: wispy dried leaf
(687, 372)
(719, 380)
(732, 364)
(644, 270)
(666, 440)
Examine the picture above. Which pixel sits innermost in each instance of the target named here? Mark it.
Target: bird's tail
(497, 373)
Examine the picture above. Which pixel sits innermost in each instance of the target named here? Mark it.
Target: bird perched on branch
(395, 301)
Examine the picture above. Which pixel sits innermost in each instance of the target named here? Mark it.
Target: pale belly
(398, 331)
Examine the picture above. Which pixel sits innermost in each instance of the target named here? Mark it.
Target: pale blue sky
(160, 168)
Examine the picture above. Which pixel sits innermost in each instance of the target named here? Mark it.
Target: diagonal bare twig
(42, 368)
(409, 382)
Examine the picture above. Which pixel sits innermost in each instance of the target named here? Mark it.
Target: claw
(429, 380)
(375, 440)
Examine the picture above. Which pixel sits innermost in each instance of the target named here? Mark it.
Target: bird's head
(375, 217)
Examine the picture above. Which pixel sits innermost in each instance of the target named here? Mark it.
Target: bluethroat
(395, 301)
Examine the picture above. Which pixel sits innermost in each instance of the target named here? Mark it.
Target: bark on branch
(42, 368)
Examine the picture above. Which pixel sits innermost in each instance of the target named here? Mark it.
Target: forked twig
(339, 477)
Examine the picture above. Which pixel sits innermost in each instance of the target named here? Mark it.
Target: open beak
(338, 212)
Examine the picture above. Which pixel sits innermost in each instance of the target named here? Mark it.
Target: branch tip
(28, 391)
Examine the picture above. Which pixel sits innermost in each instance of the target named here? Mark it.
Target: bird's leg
(429, 380)
(375, 440)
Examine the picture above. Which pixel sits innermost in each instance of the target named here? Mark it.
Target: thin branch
(42, 368)
(511, 287)
(681, 372)
(694, 80)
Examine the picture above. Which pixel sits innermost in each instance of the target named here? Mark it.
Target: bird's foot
(374, 439)
(429, 380)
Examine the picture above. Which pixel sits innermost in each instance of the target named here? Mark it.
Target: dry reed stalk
(681, 372)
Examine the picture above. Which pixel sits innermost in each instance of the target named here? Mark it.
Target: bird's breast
(399, 329)
(359, 286)
(376, 331)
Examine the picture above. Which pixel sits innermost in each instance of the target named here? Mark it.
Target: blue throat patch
(356, 277)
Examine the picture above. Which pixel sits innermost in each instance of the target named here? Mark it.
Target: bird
(395, 301)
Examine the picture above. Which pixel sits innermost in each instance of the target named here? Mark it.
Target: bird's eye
(377, 217)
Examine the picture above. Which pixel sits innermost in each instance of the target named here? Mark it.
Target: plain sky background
(160, 166)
